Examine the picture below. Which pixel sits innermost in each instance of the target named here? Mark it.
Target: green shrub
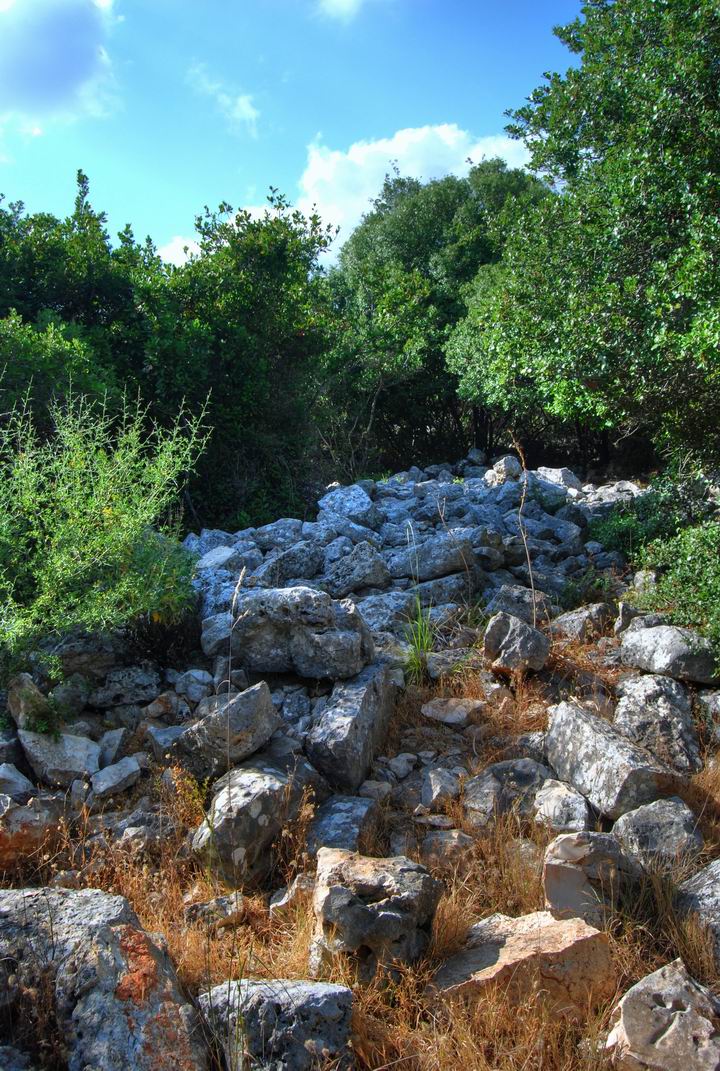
(588, 587)
(689, 582)
(86, 525)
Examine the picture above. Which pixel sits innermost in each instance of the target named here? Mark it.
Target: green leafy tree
(605, 312)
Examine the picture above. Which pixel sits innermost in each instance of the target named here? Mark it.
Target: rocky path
(517, 809)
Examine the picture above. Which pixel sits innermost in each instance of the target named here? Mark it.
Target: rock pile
(303, 646)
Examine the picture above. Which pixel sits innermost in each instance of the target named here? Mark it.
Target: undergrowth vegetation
(87, 522)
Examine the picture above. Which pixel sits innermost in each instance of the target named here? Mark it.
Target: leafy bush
(590, 586)
(689, 582)
(86, 522)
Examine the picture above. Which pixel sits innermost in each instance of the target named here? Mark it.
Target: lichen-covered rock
(561, 808)
(438, 556)
(135, 684)
(281, 1025)
(59, 760)
(116, 778)
(362, 568)
(302, 561)
(700, 896)
(342, 822)
(377, 911)
(660, 835)
(584, 623)
(513, 645)
(666, 1022)
(502, 787)
(612, 772)
(351, 726)
(235, 727)
(298, 629)
(584, 874)
(656, 712)
(112, 990)
(250, 807)
(563, 963)
(439, 787)
(352, 502)
(672, 652)
(26, 703)
(520, 602)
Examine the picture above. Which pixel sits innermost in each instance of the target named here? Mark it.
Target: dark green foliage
(689, 582)
(605, 309)
(590, 586)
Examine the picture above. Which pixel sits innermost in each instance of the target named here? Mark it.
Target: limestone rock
(438, 556)
(352, 502)
(216, 913)
(586, 622)
(298, 629)
(666, 1022)
(136, 684)
(342, 822)
(299, 891)
(612, 772)
(673, 652)
(60, 760)
(518, 601)
(503, 787)
(116, 778)
(288, 1025)
(661, 834)
(26, 703)
(250, 807)
(363, 567)
(24, 828)
(584, 874)
(194, 684)
(113, 991)
(15, 784)
(302, 561)
(439, 786)
(378, 911)
(565, 963)
(445, 849)
(236, 727)
(656, 712)
(454, 712)
(513, 645)
(700, 895)
(562, 808)
(351, 726)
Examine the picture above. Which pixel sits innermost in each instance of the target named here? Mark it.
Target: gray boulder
(235, 727)
(59, 760)
(251, 806)
(352, 502)
(656, 712)
(304, 560)
(26, 703)
(439, 787)
(342, 822)
(584, 875)
(116, 778)
(672, 652)
(586, 622)
(438, 556)
(666, 1022)
(363, 567)
(519, 602)
(660, 835)
(111, 989)
(562, 808)
(502, 787)
(15, 784)
(281, 1025)
(282, 630)
(136, 684)
(194, 684)
(377, 912)
(612, 772)
(280, 535)
(513, 645)
(27, 827)
(389, 612)
(700, 895)
(351, 726)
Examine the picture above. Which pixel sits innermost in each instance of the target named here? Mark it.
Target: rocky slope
(310, 716)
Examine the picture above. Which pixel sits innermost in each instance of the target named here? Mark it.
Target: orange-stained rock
(25, 828)
(566, 963)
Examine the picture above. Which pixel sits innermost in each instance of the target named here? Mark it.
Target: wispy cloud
(340, 183)
(238, 108)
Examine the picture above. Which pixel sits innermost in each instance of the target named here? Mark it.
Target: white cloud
(341, 183)
(238, 108)
(178, 250)
(340, 9)
(54, 64)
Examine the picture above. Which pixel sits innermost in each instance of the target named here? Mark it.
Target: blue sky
(169, 105)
